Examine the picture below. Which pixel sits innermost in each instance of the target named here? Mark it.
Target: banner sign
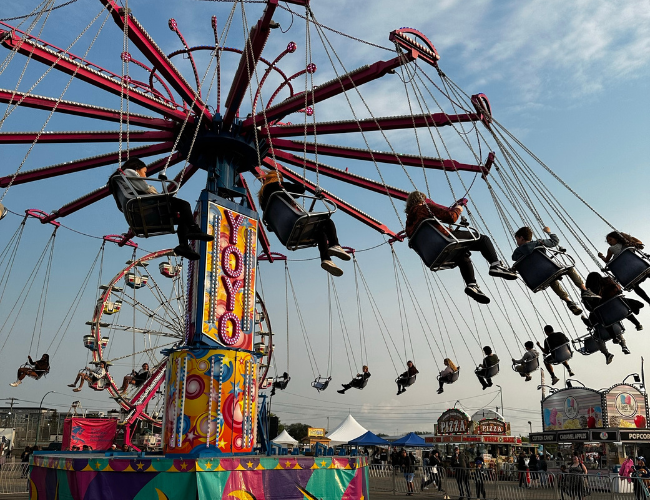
(315, 432)
(491, 426)
(454, 421)
(96, 433)
(626, 406)
(569, 409)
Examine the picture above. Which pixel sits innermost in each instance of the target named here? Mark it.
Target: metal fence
(432, 482)
(13, 477)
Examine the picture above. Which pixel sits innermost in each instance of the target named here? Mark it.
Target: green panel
(211, 485)
(169, 486)
(329, 483)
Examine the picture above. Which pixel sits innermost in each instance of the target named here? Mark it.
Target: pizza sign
(491, 426)
(454, 422)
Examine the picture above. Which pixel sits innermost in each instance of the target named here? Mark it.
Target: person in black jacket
(357, 381)
(522, 467)
(436, 468)
(407, 462)
(553, 341)
(459, 464)
(328, 242)
(404, 379)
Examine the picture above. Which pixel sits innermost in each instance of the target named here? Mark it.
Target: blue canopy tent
(411, 439)
(369, 439)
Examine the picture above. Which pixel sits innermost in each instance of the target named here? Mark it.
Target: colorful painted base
(76, 476)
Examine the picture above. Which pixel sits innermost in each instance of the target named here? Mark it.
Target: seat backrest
(589, 345)
(538, 270)
(453, 376)
(606, 333)
(628, 267)
(411, 380)
(364, 383)
(492, 371)
(562, 353)
(429, 243)
(612, 311)
(531, 365)
(150, 215)
(280, 215)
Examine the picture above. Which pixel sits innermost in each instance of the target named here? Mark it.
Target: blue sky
(567, 78)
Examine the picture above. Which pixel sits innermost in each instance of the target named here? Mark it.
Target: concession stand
(604, 425)
(489, 437)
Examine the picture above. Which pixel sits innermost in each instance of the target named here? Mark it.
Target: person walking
(459, 464)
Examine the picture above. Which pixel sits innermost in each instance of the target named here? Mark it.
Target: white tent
(285, 438)
(347, 430)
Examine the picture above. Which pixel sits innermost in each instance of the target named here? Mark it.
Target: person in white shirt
(529, 355)
(446, 374)
(89, 375)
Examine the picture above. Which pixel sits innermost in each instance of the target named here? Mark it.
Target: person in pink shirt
(626, 469)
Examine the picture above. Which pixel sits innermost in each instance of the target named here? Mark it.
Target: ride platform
(126, 476)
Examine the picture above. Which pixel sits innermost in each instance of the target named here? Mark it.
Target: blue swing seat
(629, 268)
(542, 267)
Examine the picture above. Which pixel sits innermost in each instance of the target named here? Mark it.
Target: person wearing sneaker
(526, 245)
(553, 340)
(187, 229)
(445, 375)
(419, 208)
(529, 355)
(357, 381)
(36, 370)
(617, 243)
(89, 375)
(404, 379)
(489, 361)
(327, 239)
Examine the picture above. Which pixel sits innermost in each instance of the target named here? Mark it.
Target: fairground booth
(485, 433)
(604, 425)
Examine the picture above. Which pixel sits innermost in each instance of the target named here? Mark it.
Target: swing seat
(169, 271)
(529, 366)
(98, 385)
(280, 383)
(112, 307)
(39, 373)
(612, 311)
(364, 383)
(295, 227)
(146, 214)
(538, 269)
(90, 342)
(406, 382)
(490, 371)
(610, 332)
(630, 267)
(321, 383)
(560, 354)
(437, 250)
(135, 281)
(586, 345)
(453, 376)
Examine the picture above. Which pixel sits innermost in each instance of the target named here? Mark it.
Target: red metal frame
(84, 164)
(426, 52)
(255, 43)
(366, 155)
(89, 136)
(332, 88)
(79, 109)
(143, 41)
(371, 124)
(73, 65)
(41, 215)
(116, 238)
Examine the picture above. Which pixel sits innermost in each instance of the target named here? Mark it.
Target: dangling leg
(622, 343)
(566, 365)
(485, 246)
(549, 368)
(641, 293)
(559, 290)
(602, 347)
(577, 281)
(464, 263)
(185, 225)
(323, 248)
(441, 383)
(480, 375)
(333, 247)
(74, 384)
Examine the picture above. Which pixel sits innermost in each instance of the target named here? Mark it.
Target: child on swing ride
(529, 355)
(89, 375)
(617, 243)
(446, 374)
(328, 242)
(526, 245)
(40, 367)
(419, 208)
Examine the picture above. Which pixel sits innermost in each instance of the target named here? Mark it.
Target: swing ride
(202, 326)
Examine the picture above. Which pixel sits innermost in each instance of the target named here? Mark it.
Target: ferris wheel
(185, 123)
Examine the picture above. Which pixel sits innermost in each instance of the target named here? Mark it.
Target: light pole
(501, 394)
(530, 425)
(40, 412)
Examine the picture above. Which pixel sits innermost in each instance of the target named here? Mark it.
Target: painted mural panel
(626, 407)
(569, 409)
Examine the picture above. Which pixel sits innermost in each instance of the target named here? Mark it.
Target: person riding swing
(407, 378)
(484, 371)
(136, 378)
(553, 341)
(522, 364)
(419, 208)
(446, 375)
(40, 368)
(93, 377)
(358, 382)
(135, 171)
(617, 243)
(326, 237)
(526, 245)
